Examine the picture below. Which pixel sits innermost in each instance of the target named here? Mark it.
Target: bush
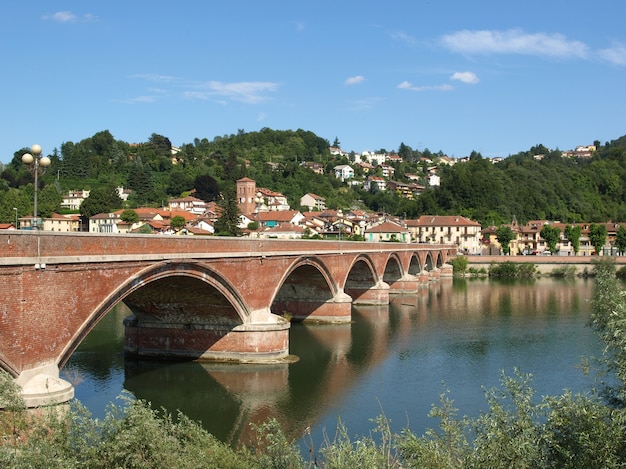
(459, 264)
(510, 269)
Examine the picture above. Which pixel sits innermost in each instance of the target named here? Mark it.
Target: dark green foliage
(521, 186)
(227, 223)
(551, 234)
(573, 234)
(512, 270)
(597, 237)
(504, 235)
(129, 216)
(101, 200)
(459, 264)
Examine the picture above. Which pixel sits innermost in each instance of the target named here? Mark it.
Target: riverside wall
(545, 264)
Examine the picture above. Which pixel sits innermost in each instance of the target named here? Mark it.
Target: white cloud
(68, 17)
(355, 80)
(62, 17)
(405, 85)
(251, 92)
(514, 41)
(404, 37)
(615, 55)
(465, 77)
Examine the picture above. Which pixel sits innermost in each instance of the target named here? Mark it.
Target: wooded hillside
(521, 186)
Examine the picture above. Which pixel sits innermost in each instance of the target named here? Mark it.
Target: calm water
(456, 334)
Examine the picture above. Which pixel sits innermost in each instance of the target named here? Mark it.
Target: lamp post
(258, 200)
(16, 227)
(36, 160)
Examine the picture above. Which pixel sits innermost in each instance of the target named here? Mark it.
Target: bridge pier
(42, 386)
(407, 284)
(376, 295)
(334, 310)
(244, 343)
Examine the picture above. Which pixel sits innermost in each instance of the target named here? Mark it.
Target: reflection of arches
(172, 292)
(304, 288)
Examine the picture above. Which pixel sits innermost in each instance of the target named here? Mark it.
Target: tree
(504, 235)
(620, 239)
(178, 222)
(597, 237)
(129, 216)
(336, 143)
(551, 235)
(100, 200)
(206, 187)
(573, 234)
(228, 223)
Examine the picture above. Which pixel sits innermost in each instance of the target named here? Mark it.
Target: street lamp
(36, 160)
(258, 200)
(16, 227)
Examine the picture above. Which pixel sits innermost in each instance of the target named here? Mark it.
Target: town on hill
(294, 184)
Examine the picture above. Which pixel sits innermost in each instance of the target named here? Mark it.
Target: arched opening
(304, 294)
(360, 280)
(393, 272)
(415, 267)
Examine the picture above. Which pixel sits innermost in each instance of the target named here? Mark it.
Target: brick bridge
(228, 299)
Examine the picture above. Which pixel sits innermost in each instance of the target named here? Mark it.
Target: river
(456, 335)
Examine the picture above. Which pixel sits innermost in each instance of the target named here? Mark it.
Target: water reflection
(392, 359)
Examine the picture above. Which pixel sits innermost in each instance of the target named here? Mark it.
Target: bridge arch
(308, 291)
(415, 265)
(174, 293)
(394, 271)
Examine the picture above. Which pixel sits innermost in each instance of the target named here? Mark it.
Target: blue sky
(492, 76)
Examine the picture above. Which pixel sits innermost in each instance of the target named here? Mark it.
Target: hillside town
(264, 213)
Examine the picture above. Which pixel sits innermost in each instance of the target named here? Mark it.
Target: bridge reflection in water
(459, 332)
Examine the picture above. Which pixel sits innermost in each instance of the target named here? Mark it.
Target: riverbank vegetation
(518, 429)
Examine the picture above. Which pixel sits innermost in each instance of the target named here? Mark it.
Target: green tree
(100, 200)
(206, 187)
(551, 235)
(129, 216)
(597, 237)
(178, 222)
(620, 239)
(504, 235)
(228, 223)
(573, 234)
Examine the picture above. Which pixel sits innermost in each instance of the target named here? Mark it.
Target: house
(56, 222)
(317, 168)
(272, 219)
(313, 201)
(273, 201)
(438, 229)
(344, 172)
(63, 223)
(388, 231)
(73, 199)
(189, 204)
(407, 191)
(7, 226)
(433, 180)
(387, 170)
(373, 182)
(284, 231)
